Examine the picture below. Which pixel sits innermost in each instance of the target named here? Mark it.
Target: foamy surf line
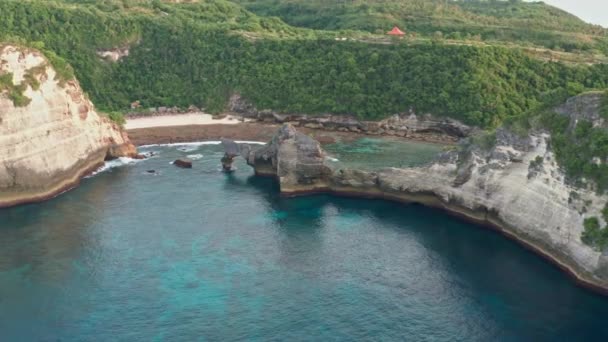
(194, 156)
(201, 143)
(114, 164)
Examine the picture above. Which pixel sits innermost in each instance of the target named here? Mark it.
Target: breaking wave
(114, 164)
(195, 156)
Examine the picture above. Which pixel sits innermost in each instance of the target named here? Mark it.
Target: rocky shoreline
(410, 124)
(492, 188)
(252, 131)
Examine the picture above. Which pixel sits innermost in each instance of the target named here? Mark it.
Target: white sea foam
(201, 143)
(187, 148)
(332, 159)
(115, 163)
(195, 156)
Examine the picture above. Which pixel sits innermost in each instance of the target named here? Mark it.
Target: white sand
(178, 120)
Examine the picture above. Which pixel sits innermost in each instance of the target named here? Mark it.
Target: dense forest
(197, 54)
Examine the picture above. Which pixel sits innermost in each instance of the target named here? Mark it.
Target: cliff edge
(50, 134)
(515, 187)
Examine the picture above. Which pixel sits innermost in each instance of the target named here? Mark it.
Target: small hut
(396, 32)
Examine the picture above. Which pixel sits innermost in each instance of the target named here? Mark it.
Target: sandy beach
(178, 120)
(200, 127)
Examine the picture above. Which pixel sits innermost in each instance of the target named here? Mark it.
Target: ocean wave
(111, 164)
(201, 143)
(332, 159)
(195, 156)
(187, 148)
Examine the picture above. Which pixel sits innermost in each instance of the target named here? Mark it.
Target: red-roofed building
(396, 32)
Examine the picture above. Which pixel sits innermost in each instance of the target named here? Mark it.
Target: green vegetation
(581, 151)
(117, 117)
(202, 53)
(14, 92)
(536, 162)
(488, 20)
(593, 235)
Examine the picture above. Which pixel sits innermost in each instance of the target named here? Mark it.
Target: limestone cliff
(52, 138)
(515, 187)
(296, 159)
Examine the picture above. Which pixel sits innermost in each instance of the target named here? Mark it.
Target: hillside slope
(204, 52)
(494, 20)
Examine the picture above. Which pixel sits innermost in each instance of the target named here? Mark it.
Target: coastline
(181, 119)
(252, 131)
(478, 214)
(177, 128)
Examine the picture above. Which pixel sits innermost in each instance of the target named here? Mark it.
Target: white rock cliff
(48, 145)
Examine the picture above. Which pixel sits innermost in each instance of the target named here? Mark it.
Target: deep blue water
(198, 255)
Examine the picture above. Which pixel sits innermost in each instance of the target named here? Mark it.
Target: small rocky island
(514, 187)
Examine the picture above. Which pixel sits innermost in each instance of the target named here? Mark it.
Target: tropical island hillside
(512, 21)
(182, 53)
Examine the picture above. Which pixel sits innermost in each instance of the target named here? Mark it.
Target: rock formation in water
(50, 134)
(184, 163)
(231, 151)
(296, 159)
(515, 187)
(410, 124)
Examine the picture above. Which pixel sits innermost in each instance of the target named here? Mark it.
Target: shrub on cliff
(117, 117)
(594, 235)
(582, 152)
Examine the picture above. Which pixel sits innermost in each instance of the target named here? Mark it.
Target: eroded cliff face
(296, 159)
(47, 145)
(515, 187)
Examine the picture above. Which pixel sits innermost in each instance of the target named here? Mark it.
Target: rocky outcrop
(231, 151)
(55, 137)
(295, 159)
(584, 107)
(410, 124)
(494, 187)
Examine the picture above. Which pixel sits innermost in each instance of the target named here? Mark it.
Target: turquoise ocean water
(198, 255)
